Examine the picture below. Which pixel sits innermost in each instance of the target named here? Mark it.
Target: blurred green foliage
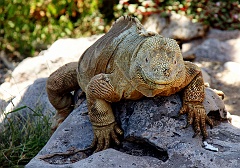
(28, 26)
(219, 14)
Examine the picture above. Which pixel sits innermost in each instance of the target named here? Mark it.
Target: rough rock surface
(176, 26)
(153, 137)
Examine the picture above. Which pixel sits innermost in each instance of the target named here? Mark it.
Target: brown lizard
(128, 62)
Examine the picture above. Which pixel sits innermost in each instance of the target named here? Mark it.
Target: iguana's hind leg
(100, 93)
(59, 86)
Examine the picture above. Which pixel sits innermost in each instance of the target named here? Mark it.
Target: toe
(94, 142)
(209, 122)
(118, 130)
(107, 142)
(183, 110)
(190, 117)
(115, 138)
(203, 125)
(196, 123)
(99, 144)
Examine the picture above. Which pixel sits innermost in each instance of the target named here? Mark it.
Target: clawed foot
(103, 135)
(198, 117)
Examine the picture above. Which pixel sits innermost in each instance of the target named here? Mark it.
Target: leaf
(16, 110)
(52, 9)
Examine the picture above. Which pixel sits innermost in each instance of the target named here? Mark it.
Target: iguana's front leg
(193, 105)
(100, 93)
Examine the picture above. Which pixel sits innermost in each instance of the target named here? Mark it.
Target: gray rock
(61, 52)
(32, 100)
(229, 36)
(153, 133)
(188, 48)
(176, 26)
(213, 50)
(223, 35)
(153, 137)
(182, 28)
(155, 23)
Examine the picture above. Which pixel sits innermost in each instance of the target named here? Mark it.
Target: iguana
(128, 62)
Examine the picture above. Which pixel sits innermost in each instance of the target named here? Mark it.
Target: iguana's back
(112, 51)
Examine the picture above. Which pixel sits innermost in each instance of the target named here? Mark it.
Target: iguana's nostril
(146, 59)
(166, 72)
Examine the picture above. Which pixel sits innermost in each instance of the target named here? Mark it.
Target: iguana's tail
(60, 84)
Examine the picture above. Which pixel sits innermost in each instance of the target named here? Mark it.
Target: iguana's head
(158, 63)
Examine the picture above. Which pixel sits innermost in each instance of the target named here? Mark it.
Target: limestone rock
(61, 52)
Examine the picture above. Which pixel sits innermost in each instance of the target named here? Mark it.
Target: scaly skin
(127, 63)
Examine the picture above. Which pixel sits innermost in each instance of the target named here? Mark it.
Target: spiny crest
(128, 19)
(124, 18)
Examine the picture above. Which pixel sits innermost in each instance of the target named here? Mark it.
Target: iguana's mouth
(141, 75)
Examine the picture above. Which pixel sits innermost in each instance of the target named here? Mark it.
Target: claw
(186, 126)
(103, 135)
(190, 117)
(107, 143)
(209, 122)
(99, 144)
(197, 116)
(93, 142)
(118, 130)
(115, 138)
(196, 133)
(183, 110)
